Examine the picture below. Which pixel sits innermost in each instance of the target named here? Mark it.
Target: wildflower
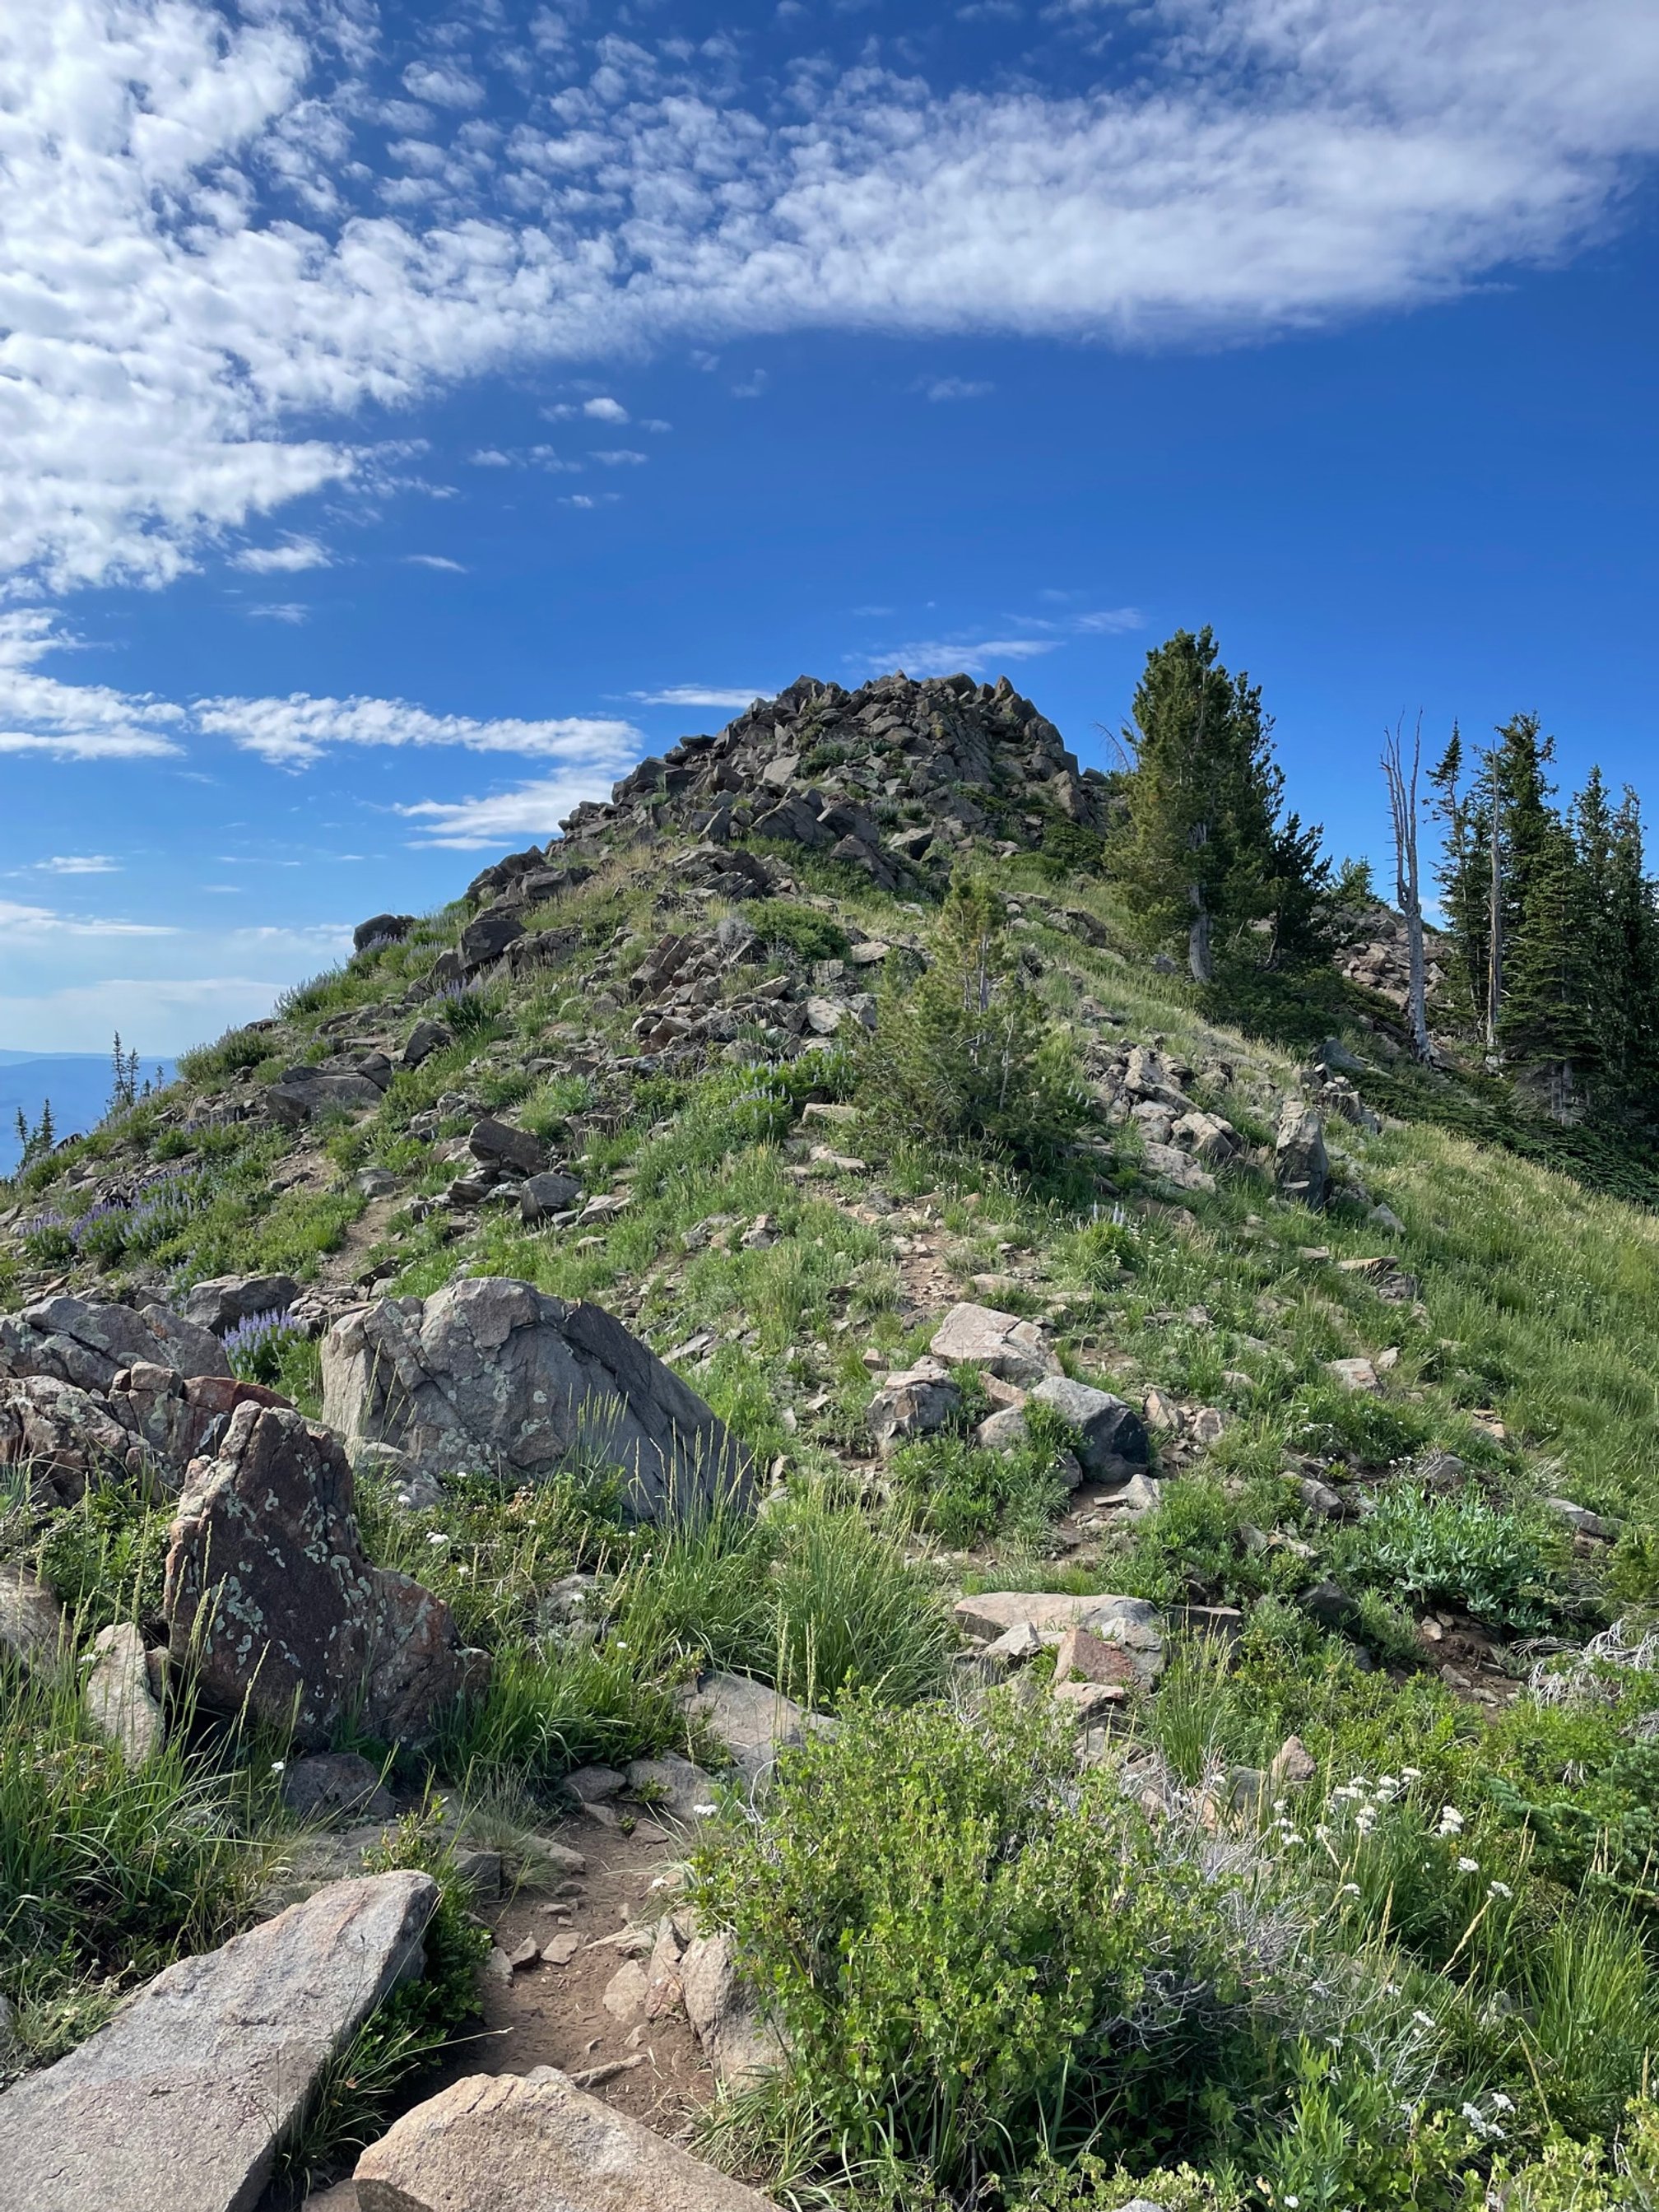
(1468, 1866)
(1424, 2019)
(1498, 1889)
(705, 1812)
(1292, 2202)
(1349, 1889)
(1500, 2103)
(1411, 1774)
(278, 1765)
(436, 1536)
(1451, 1821)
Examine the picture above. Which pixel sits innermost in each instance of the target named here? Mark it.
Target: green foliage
(801, 930)
(968, 1052)
(942, 1916)
(1500, 1565)
(103, 1557)
(1202, 847)
(106, 1870)
(962, 1494)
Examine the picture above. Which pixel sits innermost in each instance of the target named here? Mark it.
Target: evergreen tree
(1466, 823)
(1202, 847)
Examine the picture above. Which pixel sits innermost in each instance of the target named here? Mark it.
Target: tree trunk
(1199, 957)
(1402, 800)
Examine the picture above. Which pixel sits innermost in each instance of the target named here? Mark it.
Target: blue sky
(411, 416)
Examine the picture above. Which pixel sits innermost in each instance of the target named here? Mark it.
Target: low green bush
(1500, 1564)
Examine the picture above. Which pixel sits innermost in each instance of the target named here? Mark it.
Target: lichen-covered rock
(179, 2105)
(917, 1402)
(270, 1599)
(493, 1374)
(147, 1426)
(88, 1342)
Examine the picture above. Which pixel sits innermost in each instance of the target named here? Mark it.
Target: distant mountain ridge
(78, 1085)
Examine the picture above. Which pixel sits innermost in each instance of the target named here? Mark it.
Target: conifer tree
(1202, 847)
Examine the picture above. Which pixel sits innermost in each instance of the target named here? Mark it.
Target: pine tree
(1465, 822)
(1202, 847)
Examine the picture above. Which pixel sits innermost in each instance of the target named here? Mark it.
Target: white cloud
(72, 721)
(80, 864)
(208, 271)
(621, 458)
(286, 559)
(295, 731)
(952, 656)
(293, 611)
(605, 410)
(435, 561)
(956, 387)
(699, 695)
(533, 809)
(1111, 621)
(22, 921)
(444, 83)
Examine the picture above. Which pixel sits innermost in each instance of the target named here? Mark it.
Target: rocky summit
(811, 1498)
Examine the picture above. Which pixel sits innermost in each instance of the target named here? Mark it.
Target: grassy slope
(1536, 1312)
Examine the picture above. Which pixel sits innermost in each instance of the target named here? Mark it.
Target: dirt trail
(548, 2014)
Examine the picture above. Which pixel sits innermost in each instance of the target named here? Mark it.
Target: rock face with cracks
(271, 1600)
(179, 2105)
(493, 1375)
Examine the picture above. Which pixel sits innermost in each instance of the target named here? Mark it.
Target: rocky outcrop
(88, 1342)
(1301, 1165)
(492, 1374)
(345, 1084)
(179, 2105)
(148, 1425)
(869, 777)
(751, 1721)
(507, 2142)
(997, 1343)
(270, 1601)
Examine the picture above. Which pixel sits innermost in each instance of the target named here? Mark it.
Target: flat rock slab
(534, 2142)
(981, 1336)
(178, 2105)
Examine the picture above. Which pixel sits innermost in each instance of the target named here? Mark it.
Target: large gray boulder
(270, 1599)
(1302, 1168)
(221, 1301)
(179, 2105)
(494, 1375)
(88, 1342)
(535, 2142)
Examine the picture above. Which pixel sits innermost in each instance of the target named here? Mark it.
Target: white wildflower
(278, 1765)
(1411, 1774)
(1468, 1866)
(1498, 1889)
(1424, 2019)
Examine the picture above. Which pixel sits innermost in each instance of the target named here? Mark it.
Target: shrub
(800, 930)
(962, 1494)
(972, 1951)
(968, 1052)
(1498, 1565)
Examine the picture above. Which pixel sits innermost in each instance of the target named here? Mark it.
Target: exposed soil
(548, 2014)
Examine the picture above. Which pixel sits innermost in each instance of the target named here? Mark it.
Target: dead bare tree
(1401, 781)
